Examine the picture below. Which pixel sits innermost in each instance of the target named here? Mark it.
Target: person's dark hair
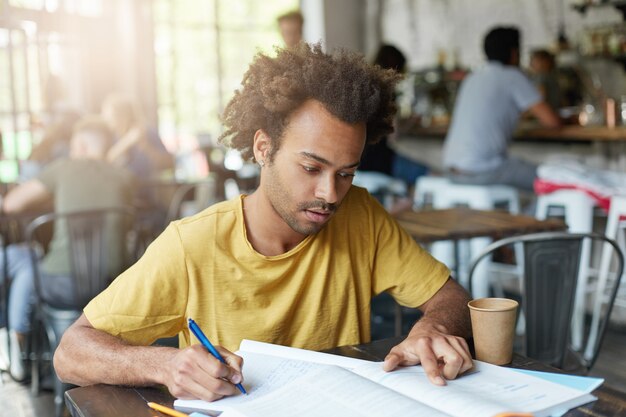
(544, 55)
(390, 57)
(500, 43)
(292, 15)
(273, 87)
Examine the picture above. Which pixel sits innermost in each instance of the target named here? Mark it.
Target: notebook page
(262, 375)
(489, 391)
(300, 354)
(333, 392)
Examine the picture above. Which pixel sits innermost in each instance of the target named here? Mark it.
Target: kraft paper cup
(493, 328)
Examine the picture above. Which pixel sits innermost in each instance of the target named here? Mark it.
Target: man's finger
(222, 371)
(234, 361)
(391, 362)
(235, 364)
(461, 346)
(431, 366)
(205, 389)
(452, 365)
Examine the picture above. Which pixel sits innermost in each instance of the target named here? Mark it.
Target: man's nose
(327, 189)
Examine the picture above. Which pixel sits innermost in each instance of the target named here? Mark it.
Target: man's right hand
(196, 374)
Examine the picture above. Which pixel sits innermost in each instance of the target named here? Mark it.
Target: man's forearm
(448, 308)
(86, 356)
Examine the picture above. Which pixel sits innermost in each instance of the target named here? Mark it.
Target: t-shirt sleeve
(525, 93)
(148, 301)
(402, 267)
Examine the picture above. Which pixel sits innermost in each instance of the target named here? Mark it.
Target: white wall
(313, 12)
(337, 23)
(421, 28)
(345, 24)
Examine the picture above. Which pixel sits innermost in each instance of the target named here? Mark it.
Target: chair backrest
(92, 236)
(551, 265)
(200, 195)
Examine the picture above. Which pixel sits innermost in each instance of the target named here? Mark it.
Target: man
(487, 109)
(294, 263)
(290, 26)
(83, 182)
(543, 73)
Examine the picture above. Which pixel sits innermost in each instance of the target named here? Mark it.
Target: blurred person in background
(85, 181)
(137, 147)
(290, 26)
(54, 144)
(544, 75)
(380, 157)
(487, 110)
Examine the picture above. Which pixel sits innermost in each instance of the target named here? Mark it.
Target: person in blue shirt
(487, 110)
(137, 147)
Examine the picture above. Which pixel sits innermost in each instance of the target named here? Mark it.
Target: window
(202, 50)
(38, 51)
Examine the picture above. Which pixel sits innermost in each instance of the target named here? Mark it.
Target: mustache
(318, 205)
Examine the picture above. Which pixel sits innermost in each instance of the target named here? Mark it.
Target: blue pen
(195, 329)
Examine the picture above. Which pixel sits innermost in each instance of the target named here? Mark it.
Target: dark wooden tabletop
(463, 223)
(115, 401)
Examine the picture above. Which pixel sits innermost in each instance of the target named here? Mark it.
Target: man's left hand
(440, 354)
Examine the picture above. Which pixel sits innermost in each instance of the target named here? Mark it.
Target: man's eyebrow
(324, 160)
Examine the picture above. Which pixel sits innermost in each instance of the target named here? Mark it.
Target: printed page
(286, 352)
(333, 392)
(489, 391)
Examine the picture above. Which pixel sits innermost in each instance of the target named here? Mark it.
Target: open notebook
(283, 382)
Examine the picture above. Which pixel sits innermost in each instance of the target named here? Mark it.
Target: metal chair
(12, 231)
(551, 264)
(199, 196)
(91, 234)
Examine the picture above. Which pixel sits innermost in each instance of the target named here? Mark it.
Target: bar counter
(567, 133)
(601, 146)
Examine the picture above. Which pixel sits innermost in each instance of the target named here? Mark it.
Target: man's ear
(262, 146)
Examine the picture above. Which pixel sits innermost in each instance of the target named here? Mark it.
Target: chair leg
(480, 285)
(35, 357)
(55, 327)
(578, 322)
(59, 390)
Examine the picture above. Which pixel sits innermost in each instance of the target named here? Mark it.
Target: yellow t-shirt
(315, 296)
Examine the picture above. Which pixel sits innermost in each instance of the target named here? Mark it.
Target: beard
(281, 200)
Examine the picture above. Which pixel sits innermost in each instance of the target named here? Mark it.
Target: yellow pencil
(167, 410)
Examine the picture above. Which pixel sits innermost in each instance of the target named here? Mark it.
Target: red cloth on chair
(546, 187)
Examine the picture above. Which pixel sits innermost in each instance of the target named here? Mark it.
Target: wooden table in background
(458, 223)
(115, 401)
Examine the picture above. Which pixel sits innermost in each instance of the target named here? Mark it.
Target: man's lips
(318, 215)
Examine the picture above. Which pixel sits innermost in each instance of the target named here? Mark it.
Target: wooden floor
(16, 401)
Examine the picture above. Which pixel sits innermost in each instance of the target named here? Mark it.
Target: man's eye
(309, 169)
(346, 175)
